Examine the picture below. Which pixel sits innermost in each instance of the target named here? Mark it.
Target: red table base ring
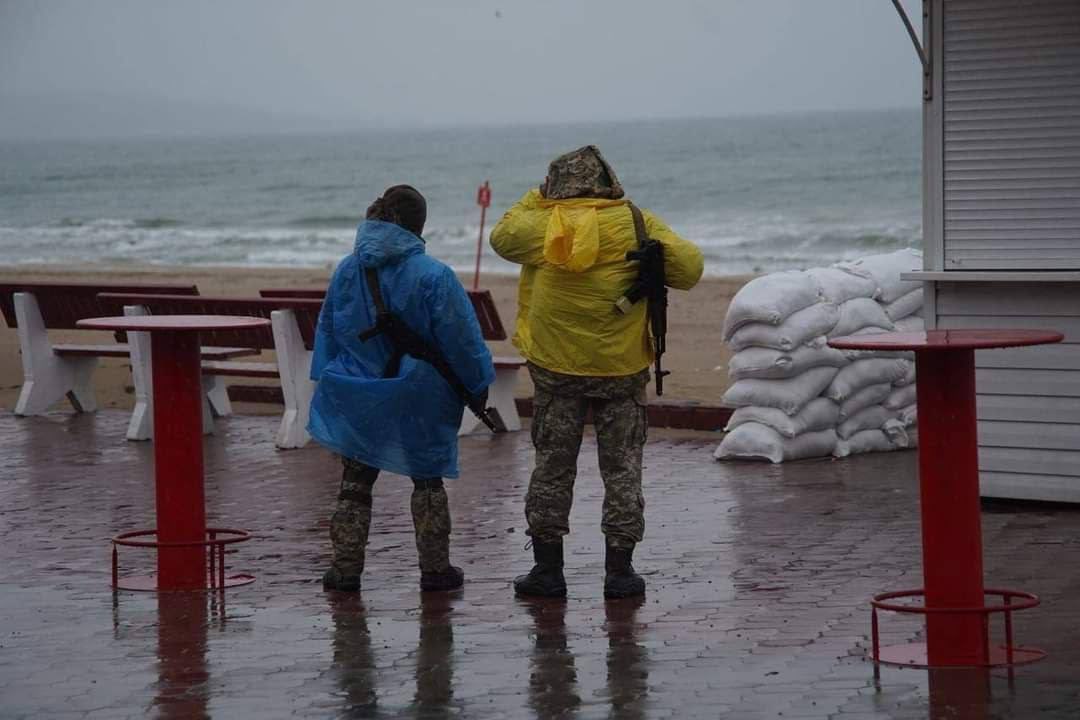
(914, 654)
(215, 570)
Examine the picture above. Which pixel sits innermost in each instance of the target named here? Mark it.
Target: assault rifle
(650, 284)
(405, 341)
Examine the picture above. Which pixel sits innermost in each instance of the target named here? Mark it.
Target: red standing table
(955, 606)
(182, 535)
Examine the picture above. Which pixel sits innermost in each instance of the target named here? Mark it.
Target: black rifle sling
(376, 292)
(383, 319)
(639, 225)
(404, 341)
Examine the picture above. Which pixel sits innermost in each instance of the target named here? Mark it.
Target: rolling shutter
(1011, 102)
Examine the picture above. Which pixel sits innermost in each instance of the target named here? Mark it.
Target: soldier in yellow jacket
(571, 237)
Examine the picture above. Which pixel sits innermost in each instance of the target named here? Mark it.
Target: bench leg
(500, 397)
(294, 364)
(141, 425)
(81, 393)
(47, 379)
(469, 423)
(217, 395)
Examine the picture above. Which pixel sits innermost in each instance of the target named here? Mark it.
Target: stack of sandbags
(776, 326)
(796, 397)
(883, 417)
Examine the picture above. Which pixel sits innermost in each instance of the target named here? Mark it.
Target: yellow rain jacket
(575, 269)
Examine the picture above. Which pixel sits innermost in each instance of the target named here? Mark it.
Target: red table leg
(949, 490)
(178, 459)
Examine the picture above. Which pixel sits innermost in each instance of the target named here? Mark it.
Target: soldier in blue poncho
(381, 411)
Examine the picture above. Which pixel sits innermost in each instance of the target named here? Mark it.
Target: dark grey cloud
(143, 66)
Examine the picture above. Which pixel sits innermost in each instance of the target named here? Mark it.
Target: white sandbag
(790, 395)
(770, 299)
(901, 397)
(819, 414)
(860, 313)
(897, 433)
(869, 418)
(799, 329)
(753, 441)
(867, 371)
(912, 323)
(863, 442)
(838, 286)
(909, 374)
(885, 271)
(909, 415)
(905, 306)
(770, 363)
(864, 398)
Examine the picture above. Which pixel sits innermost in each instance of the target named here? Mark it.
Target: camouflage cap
(581, 173)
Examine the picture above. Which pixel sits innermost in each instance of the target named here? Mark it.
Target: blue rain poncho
(406, 424)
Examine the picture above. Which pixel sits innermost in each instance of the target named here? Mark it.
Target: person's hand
(483, 398)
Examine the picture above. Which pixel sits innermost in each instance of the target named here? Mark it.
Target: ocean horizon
(757, 193)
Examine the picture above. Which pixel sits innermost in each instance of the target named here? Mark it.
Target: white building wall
(1028, 398)
(1002, 224)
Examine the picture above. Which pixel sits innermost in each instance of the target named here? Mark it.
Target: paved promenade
(758, 577)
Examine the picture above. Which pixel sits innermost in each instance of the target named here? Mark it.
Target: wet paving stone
(759, 578)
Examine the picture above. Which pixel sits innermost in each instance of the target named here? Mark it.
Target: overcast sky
(134, 67)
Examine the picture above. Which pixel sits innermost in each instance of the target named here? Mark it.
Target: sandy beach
(694, 318)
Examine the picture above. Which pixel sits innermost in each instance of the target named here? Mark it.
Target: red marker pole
(483, 199)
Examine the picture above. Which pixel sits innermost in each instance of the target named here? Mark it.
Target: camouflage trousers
(620, 418)
(351, 522)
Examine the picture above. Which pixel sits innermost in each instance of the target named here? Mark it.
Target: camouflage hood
(582, 173)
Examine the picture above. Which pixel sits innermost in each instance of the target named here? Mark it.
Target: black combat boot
(450, 579)
(546, 578)
(620, 580)
(334, 579)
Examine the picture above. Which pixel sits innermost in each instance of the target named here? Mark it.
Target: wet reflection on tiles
(435, 657)
(627, 660)
(553, 682)
(354, 662)
(182, 690)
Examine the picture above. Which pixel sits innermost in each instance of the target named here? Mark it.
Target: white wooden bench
(291, 336)
(54, 371)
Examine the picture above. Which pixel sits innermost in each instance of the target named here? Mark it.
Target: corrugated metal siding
(1011, 100)
(1028, 398)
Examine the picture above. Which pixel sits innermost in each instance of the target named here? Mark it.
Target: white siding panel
(1041, 357)
(1007, 381)
(1068, 326)
(1033, 461)
(1019, 408)
(1053, 488)
(1011, 101)
(1050, 436)
(1019, 299)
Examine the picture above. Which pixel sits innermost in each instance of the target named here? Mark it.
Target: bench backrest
(488, 315)
(62, 304)
(306, 310)
(315, 293)
(482, 302)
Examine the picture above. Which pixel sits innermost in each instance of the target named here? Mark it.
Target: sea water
(758, 194)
